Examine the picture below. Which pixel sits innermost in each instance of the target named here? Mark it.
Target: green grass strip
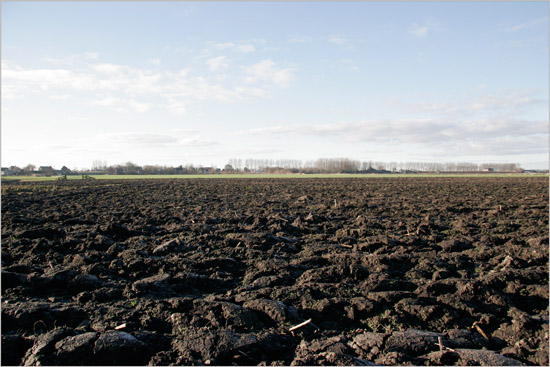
(265, 175)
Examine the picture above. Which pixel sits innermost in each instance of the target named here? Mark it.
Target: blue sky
(186, 82)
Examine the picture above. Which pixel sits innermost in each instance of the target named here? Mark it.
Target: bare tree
(99, 165)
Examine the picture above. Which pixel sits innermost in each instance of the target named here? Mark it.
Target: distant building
(207, 170)
(65, 171)
(46, 170)
(489, 169)
(15, 170)
(6, 171)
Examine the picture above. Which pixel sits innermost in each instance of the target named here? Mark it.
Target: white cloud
(154, 61)
(300, 39)
(403, 130)
(244, 47)
(62, 97)
(529, 24)
(108, 68)
(91, 55)
(18, 78)
(125, 88)
(419, 31)
(107, 101)
(224, 45)
(177, 107)
(217, 63)
(121, 104)
(267, 71)
(349, 65)
(138, 106)
(434, 133)
(58, 61)
(197, 142)
(481, 126)
(509, 103)
(340, 41)
(71, 59)
(172, 138)
(142, 139)
(96, 78)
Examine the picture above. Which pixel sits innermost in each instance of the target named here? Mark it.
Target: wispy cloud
(267, 71)
(62, 97)
(154, 61)
(142, 139)
(122, 105)
(69, 60)
(511, 103)
(300, 39)
(243, 47)
(419, 30)
(432, 132)
(158, 140)
(140, 89)
(349, 65)
(477, 126)
(424, 28)
(529, 24)
(217, 63)
(177, 107)
(403, 130)
(340, 41)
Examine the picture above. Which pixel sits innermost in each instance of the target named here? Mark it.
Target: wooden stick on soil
(441, 346)
(478, 328)
(300, 325)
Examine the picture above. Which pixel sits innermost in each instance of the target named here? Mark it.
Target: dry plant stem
(478, 328)
(300, 325)
(441, 346)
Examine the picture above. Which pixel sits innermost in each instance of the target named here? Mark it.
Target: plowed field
(417, 271)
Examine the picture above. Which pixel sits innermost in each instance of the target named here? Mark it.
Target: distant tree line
(281, 166)
(346, 165)
(322, 165)
(130, 168)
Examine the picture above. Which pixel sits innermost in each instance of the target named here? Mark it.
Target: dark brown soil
(413, 271)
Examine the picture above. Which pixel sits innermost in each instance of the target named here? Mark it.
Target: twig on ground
(441, 346)
(300, 325)
(503, 265)
(243, 354)
(121, 326)
(478, 328)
